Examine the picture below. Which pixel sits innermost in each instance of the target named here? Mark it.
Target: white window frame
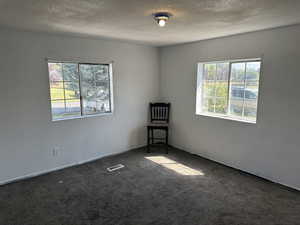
(199, 90)
(111, 99)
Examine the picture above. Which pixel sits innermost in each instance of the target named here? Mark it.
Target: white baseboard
(236, 167)
(42, 172)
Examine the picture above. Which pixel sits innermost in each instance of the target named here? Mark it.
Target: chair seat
(158, 125)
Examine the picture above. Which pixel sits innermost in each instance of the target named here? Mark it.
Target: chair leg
(152, 137)
(167, 141)
(148, 140)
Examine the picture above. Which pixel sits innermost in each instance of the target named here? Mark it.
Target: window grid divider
(245, 71)
(63, 77)
(215, 100)
(109, 86)
(202, 89)
(80, 91)
(228, 89)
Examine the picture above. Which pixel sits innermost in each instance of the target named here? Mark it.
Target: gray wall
(27, 135)
(269, 148)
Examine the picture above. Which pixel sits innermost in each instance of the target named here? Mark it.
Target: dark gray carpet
(148, 193)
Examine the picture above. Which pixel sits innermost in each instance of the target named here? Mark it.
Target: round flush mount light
(161, 18)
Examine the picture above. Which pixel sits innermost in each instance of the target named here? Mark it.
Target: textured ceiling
(131, 19)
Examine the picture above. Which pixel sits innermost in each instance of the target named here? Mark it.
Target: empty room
(149, 112)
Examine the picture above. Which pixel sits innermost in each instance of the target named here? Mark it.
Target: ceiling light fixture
(161, 18)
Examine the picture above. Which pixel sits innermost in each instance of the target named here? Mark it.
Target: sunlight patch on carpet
(175, 166)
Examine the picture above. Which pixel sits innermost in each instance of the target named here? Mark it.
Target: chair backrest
(159, 112)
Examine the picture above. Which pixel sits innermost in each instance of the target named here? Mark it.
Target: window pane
(237, 93)
(209, 88)
(204, 105)
(236, 106)
(221, 89)
(92, 73)
(90, 106)
(65, 109)
(95, 88)
(237, 90)
(102, 73)
(222, 71)
(251, 93)
(251, 97)
(209, 71)
(89, 96)
(90, 91)
(57, 90)
(244, 90)
(72, 89)
(73, 107)
(70, 72)
(215, 87)
(94, 106)
(250, 108)
(55, 72)
(238, 71)
(221, 105)
(208, 105)
(58, 109)
(252, 84)
(252, 71)
(95, 99)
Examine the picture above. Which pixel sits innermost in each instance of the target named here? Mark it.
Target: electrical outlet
(55, 151)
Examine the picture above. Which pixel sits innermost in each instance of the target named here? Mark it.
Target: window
(79, 89)
(228, 89)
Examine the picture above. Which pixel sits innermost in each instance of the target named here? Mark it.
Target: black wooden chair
(159, 120)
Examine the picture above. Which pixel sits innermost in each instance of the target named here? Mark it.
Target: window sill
(82, 117)
(225, 117)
